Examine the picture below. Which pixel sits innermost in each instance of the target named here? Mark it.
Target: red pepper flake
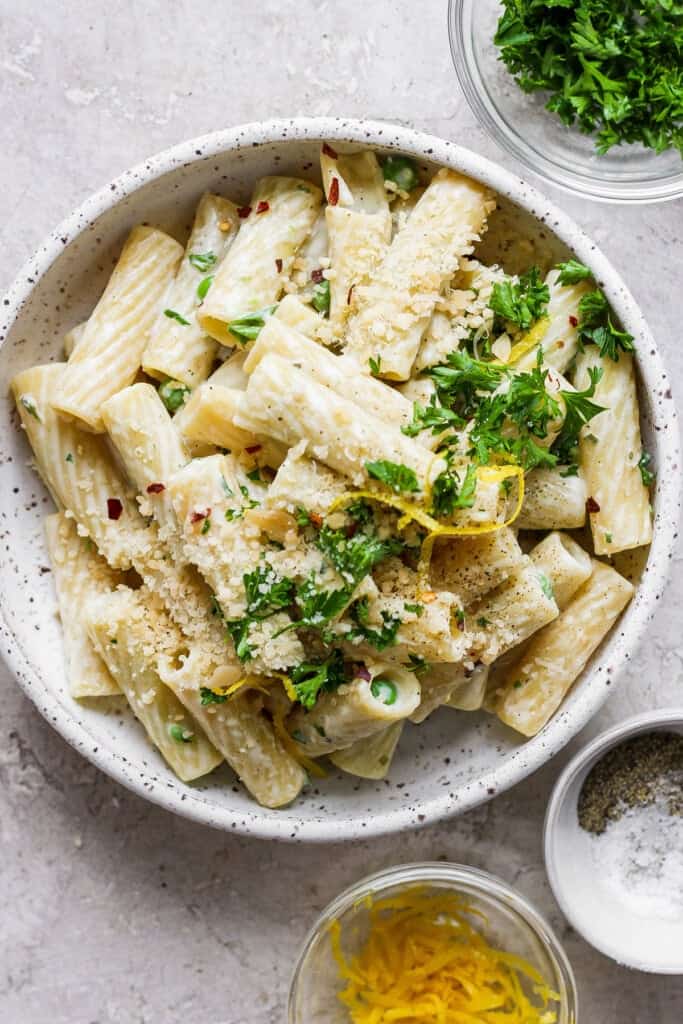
(333, 197)
(352, 529)
(350, 293)
(592, 505)
(316, 520)
(263, 206)
(243, 211)
(156, 488)
(573, 321)
(362, 672)
(253, 448)
(114, 508)
(197, 517)
(328, 151)
(278, 266)
(317, 275)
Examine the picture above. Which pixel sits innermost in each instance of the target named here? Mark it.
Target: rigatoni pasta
(292, 469)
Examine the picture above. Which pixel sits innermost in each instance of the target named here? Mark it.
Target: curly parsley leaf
(596, 327)
(395, 475)
(381, 637)
(356, 556)
(310, 678)
(573, 272)
(320, 299)
(612, 70)
(521, 302)
(174, 394)
(208, 696)
(580, 410)
(646, 474)
(451, 492)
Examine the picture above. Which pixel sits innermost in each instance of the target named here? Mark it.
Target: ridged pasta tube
(178, 350)
(355, 711)
(109, 352)
(253, 274)
(394, 309)
(80, 575)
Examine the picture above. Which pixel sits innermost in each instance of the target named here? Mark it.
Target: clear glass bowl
(519, 122)
(513, 924)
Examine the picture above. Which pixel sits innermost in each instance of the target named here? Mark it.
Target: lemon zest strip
(528, 341)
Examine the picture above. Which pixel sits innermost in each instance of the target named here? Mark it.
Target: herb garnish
(647, 476)
(522, 302)
(249, 325)
(172, 315)
(595, 325)
(380, 638)
(311, 677)
(202, 261)
(320, 299)
(612, 69)
(210, 697)
(203, 287)
(394, 474)
(451, 492)
(572, 272)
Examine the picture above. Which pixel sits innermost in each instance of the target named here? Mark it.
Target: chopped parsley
(395, 475)
(416, 609)
(302, 517)
(380, 638)
(208, 696)
(318, 607)
(310, 678)
(462, 381)
(572, 272)
(254, 475)
(202, 261)
(375, 364)
(522, 302)
(30, 407)
(609, 69)
(248, 326)
(402, 171)
(203, 287)
(69, 457)
(580, 409)
(451, 492)
(356, 556)
(174, 394)
(596, 327)
(172, 315)
(266, 594)
(436, 418)
(206, 525)
(417, 664)
(647, 476)
(320, 299)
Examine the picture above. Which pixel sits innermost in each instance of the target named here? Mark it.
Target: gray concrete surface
(115, 912)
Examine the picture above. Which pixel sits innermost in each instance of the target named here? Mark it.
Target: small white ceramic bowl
(645, 943)
(450, 763)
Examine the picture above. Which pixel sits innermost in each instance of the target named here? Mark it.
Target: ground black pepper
(633, 774)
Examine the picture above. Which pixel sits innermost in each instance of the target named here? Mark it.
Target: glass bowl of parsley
(586, 93)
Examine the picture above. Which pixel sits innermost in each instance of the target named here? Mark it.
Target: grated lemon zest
(528, 341)
(425, 963)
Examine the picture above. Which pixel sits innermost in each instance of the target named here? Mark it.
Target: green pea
(173, 394)
(402, 171)
(384, 690)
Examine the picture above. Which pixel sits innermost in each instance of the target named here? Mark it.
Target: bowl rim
(582, 761)
(535, 160)
(261, 822)
(455, 875)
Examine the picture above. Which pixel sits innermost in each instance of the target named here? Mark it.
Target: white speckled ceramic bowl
(451, 763)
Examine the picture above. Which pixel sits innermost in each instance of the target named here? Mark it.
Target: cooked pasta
(291, 460)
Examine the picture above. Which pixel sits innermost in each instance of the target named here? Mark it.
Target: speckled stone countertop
(113, 911)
